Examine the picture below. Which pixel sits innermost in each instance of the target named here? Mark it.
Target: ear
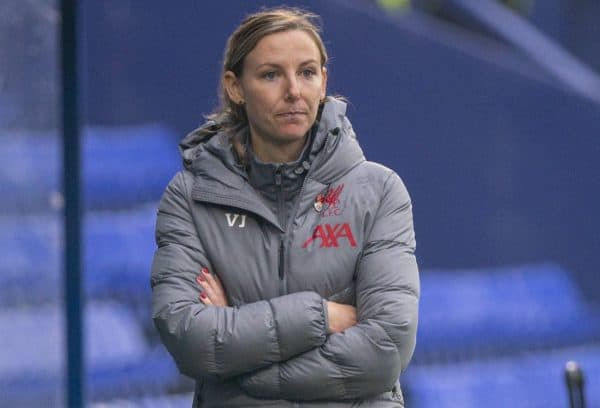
(232, 86)
(324, 83)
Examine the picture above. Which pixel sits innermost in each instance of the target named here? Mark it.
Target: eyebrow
(271, 64)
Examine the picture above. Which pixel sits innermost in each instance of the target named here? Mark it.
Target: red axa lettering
(331, 236)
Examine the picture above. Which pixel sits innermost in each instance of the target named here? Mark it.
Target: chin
(292, 137)
(293, 133)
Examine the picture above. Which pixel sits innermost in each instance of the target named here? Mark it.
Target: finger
(215, 288)
(208, 293)
(212, 278)
(205, 271)
(205, 299)
(201, 280)
(217, 291)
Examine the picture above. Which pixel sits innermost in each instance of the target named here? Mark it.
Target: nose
(293, 88)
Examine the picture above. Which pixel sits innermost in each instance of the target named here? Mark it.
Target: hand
(340, 316)
(213, 292)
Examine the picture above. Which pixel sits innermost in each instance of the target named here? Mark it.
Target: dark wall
(573, 23)
(501, 163)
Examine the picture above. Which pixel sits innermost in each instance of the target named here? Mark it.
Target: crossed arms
(298, 346)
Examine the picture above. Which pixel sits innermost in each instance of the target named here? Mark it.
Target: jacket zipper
(289, 223)
(281, 249)
(281, 252)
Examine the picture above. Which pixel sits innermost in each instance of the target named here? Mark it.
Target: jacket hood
(334, 150)
(339, 150)
(191, 144)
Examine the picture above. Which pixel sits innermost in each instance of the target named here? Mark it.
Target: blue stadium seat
(118, 357)
(158, 401)
(530, 380)
(473, 313)
(118, 250)
(122, 166)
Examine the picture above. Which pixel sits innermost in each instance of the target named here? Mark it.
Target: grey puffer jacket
(349, 239)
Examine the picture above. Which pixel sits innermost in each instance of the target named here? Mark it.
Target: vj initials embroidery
(232, 218)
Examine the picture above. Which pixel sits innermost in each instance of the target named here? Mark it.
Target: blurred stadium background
(489, 110)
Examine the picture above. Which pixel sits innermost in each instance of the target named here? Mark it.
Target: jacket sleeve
(367, 358)
(209, 341)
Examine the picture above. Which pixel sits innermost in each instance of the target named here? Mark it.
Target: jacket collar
(207, 153)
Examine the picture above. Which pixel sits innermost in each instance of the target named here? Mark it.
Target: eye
(269, 75)
(308, 73)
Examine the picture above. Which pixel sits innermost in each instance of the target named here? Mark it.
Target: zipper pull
(278, 177)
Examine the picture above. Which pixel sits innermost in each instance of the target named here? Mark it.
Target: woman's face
(281, 85)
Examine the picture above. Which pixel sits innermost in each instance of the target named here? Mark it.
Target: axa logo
(331, 236)
(232, 219)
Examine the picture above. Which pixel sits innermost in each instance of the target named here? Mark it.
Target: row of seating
(119, 359)
(485, 312)
(125, 170)
(121, 167)
(500, 337)
(523, 380)
(183, 400)
(117, 254)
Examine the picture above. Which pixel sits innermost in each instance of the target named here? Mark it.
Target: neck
(277, 153)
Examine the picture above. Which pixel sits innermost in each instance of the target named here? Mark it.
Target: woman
(285, 272)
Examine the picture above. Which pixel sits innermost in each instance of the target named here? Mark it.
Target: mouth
(291, 114)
